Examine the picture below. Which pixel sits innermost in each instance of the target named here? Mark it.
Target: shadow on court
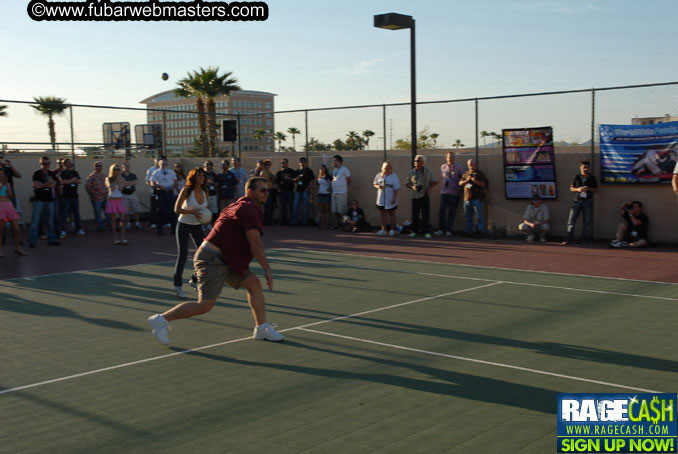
(444, 382)
(11, 303)
(73, 412)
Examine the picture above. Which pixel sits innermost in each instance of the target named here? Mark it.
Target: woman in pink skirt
(9, 214)
(114, 206)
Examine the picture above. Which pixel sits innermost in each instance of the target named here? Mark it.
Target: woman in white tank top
(192, 198)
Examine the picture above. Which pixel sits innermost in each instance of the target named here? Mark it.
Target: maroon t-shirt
(229, 234)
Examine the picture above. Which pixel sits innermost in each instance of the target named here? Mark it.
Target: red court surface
(96, 251)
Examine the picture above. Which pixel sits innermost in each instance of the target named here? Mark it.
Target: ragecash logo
(617, 423)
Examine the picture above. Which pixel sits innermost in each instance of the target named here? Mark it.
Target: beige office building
(182, 124)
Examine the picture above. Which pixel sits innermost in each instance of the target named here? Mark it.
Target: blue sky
(316, 53)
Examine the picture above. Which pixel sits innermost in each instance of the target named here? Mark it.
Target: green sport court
(381, 355)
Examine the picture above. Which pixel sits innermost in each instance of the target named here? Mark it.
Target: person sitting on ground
(354, 219)
(633, 231)
(536, 220)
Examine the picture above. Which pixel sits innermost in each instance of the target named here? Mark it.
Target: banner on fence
(636, 154)
(529, 163)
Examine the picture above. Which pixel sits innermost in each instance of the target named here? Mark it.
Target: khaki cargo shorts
(213, 272)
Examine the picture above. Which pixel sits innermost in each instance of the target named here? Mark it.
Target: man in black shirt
(226, 182)
(302, 192)
(583, 186)
(633, 231)
(70, 203)
(44, 182)
(285, 179)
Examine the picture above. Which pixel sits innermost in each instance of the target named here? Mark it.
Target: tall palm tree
(259, 135)
(484, 135)
(354, 141)
(205, 85)
(496, 136)
(50, 106)
(367, 134)
(434, 136)
(294, 132)
(458, 144)
(280, 137)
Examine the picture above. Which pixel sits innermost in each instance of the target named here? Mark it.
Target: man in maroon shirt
(224, 257)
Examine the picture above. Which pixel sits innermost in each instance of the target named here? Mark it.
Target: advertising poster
(619, 422)
(637, 154)
(529, 163)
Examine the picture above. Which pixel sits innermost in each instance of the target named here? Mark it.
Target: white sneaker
(180, 292)
(80, 232)
(160, 327)
(153, 226)
(382, 233)
(543, 239)
(530, 238)
(168, 225)
(391, 232)
(138, 226)
(439, 233)
(615, 243)
(267, 332)
(62, 234)
(193, 284)
(448, 233)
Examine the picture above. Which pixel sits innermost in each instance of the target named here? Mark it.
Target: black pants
(286, 201)
(154, 205)
(421, 210)
(183, 233)
(165, 210)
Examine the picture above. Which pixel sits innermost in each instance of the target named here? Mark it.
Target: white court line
(31, 278)
(479, 361)
(205, 347)
(452, 276)
(470, 266)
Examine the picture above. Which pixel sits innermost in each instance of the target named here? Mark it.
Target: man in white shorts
(341, 178)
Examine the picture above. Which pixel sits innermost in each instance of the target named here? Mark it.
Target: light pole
(395, 21)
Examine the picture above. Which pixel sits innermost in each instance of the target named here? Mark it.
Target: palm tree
(2, 111)
(434, 136)
(496, 136)
(484, 135)
(458, 144)
(259, 135)
(354, 141)
(367, 134)
(280, 137)
(205, 85)
(293, 131)
(50, 106)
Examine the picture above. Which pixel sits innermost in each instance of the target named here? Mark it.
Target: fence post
(306, 131)
(477, 152)
(237, 119)
(384, 118)
(593, 127)
(164, 133)
(593, 150)
(70, 111)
